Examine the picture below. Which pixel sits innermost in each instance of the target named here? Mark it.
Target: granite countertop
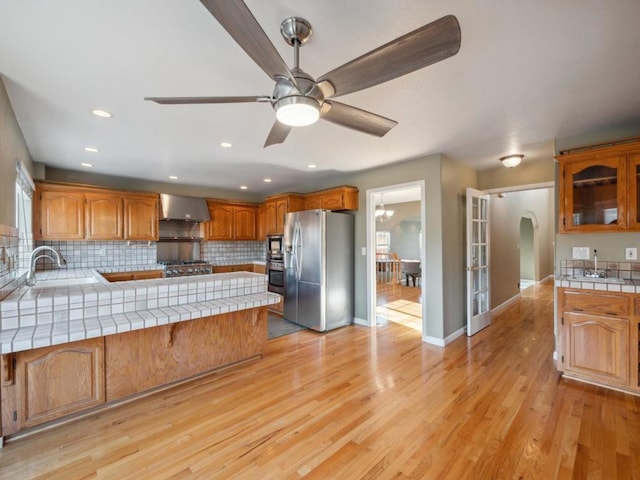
(33, 317)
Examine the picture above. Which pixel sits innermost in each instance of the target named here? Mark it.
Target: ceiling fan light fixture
(297, 111)
(511, 161)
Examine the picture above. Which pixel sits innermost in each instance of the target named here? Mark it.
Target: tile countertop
(39, 317)
(625, 285)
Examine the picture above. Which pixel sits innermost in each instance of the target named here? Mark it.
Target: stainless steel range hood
(190, 209)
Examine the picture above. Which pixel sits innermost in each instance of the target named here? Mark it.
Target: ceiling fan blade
(236, 18)
(422, 47)
(357, 119)
(278, 134)
(190, 100)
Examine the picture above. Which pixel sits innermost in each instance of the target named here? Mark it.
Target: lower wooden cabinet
(143, 359)
(49, 383)
(52, 382)
(599, 337)
(597, 348)
(137, 275)
(243, 267)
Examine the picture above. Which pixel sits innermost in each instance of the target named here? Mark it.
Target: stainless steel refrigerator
(318, 261)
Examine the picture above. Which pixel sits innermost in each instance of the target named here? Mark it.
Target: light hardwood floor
(362, 403)
(398, 303)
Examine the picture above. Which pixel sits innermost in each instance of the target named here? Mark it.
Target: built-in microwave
(275, 246)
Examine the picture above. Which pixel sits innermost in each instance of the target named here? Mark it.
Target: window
(383, 242)
(24, 194)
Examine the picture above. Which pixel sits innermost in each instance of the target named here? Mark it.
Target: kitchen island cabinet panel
(143, 359)
(53, 382)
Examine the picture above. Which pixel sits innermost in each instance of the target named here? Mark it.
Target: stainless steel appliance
(185, 268)
(275, 264)
(318, 262)
(275, 276)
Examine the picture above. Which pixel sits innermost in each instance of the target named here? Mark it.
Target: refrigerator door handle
(298, 250)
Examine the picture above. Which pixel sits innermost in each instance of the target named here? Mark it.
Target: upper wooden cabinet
(261, 222)
(103, 216)
(599, 189)
(231, 221)
(58, 215)
(67, 212)
(339, 198)
(277, 208)
(141, 217)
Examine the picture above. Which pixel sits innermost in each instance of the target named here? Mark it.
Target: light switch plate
(581, 253)
(631, 253)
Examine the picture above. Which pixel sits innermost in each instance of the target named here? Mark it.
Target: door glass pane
(595, 196)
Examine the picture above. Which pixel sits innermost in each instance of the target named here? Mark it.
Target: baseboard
(504, 305)
(443, 342)
(361, 321)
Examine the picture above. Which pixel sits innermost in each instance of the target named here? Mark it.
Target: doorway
(527, 254)
(395, 247)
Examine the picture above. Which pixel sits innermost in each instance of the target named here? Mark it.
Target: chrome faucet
(59, 259)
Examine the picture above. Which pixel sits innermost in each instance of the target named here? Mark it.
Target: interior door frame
(371, 249)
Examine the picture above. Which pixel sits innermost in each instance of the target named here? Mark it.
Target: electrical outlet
(102, 252)
(581, 253)
(630, 253)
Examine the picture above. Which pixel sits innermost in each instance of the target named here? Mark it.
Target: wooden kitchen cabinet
(137, 275)
(599, 337)
(58, 214)
(53, 382)
(104, 218)
(597, 348)
(243, 267)
(231, 221)
(261, 222)
(141, 217)
(599, 189)
(277, 208)
(69, 212)
(336, 199)
(143, 359)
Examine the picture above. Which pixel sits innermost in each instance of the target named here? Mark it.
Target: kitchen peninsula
(85, 342)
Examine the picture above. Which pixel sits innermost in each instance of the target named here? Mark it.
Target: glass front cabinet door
(600, 190)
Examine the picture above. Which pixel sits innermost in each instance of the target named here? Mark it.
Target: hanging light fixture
(511, 161)
(381, 213)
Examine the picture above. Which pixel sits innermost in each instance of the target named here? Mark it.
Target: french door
(478, 287)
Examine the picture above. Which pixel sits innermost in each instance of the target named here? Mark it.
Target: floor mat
(277, 327)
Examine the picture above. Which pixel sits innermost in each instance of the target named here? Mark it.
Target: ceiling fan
(298, 98)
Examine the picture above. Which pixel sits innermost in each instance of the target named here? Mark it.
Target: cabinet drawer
(597, 303)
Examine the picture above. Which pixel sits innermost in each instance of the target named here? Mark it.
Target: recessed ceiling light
(88, 165)
(173, 177)
(91, 149)
(312, 165)
(226, 145)
(243, 187)
(101, 113)
(267, 180)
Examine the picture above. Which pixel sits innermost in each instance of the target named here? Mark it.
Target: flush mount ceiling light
(297, 111)
(381, 213)
(101, 113)
(511, 161)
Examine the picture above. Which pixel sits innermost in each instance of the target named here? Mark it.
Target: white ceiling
(526, 73)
